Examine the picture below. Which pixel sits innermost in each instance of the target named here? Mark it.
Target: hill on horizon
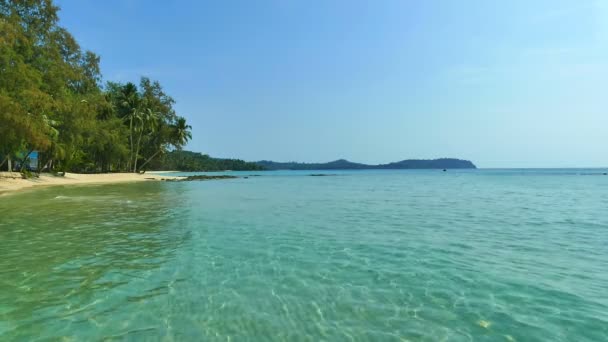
(196, 161)
(343, 164)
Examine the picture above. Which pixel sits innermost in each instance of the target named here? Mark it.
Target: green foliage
(52, 101)
(193, 161)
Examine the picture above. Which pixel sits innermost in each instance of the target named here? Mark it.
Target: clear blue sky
(502, 83)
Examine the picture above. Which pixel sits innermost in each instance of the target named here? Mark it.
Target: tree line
(193, 161)
(53, 101)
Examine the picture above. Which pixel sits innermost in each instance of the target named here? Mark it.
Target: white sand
(12, 181)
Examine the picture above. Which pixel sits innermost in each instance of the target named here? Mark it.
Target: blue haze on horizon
(504, 84)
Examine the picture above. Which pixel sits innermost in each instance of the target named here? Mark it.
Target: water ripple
(391, 256)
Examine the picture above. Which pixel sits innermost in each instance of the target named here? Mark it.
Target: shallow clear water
(489, 255)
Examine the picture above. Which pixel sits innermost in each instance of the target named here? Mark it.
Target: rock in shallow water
(200, 178)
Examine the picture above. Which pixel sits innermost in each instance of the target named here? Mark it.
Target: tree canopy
(52, 100)
(193, 161)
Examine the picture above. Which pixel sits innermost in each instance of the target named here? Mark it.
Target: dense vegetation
(52, 101)
(192, 161)
(341, 164)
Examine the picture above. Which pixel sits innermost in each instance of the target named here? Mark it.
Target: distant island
(195, 161)
(342, 164)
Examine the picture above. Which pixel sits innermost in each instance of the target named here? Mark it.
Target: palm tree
(130, 100)
(55, 148)
(181, 133)
(134, 115)
(179, 136)
(149, 117)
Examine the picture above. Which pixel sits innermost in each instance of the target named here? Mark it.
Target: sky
(502, 83)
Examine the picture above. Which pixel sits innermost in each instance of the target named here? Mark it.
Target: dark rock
(200, 178)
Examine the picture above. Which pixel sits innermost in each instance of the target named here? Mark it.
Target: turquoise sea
(477, 255)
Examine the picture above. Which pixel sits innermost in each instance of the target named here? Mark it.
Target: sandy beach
(11, 182)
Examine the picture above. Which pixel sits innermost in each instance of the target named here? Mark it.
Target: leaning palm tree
(147, 118)
(177, 135)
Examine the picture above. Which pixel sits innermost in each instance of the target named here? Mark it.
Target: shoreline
(11, 182)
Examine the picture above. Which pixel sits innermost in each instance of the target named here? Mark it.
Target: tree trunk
(43, 160)
(149, 159)
(4, 161)
(10, 164)
(138, 145)
(131, 142)
(23, 161)
(47, 165)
